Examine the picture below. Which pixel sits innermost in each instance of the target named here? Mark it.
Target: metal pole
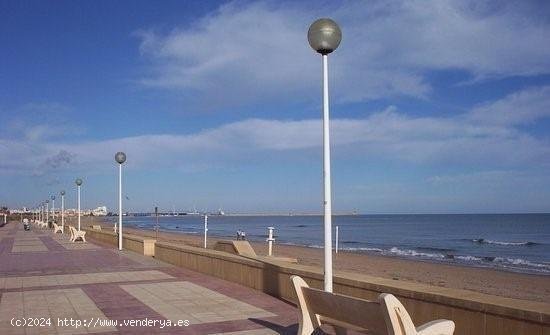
(326, 175)
(336, 239)
(270, 240)
(47, 212)
(157, 223)
(119, 206)
(205, 229)
(53, 209)
(63, 214)
(78, 207)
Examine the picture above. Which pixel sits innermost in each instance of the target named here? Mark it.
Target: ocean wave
(468, 258)
(502, 262)
(484, 241)
(436, 249)
(414, 253)
(521, 262)
(362, 249)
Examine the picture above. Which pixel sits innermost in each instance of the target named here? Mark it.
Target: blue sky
(436, 106)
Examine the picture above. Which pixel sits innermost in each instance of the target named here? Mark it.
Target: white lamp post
(78, 183)
(120, 158)
(205, 229)
(47, 211)
(336, 239)
(324, 36)
(53, 208)
(62, 211)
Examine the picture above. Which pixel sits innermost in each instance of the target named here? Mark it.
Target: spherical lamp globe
(324, 36)
(120, 157)
(78, 181)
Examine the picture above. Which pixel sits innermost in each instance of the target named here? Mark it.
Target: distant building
(100, 211)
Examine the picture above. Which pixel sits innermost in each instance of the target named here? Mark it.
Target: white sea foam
(414, 253)
(468, 258)
(362, 249)
(523, 262)
(504, 243)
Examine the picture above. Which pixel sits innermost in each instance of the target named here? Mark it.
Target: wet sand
(484, 280)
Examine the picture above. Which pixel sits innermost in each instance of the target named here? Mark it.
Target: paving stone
(46, 275)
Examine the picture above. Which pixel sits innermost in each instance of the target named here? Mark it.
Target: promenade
(55, 286)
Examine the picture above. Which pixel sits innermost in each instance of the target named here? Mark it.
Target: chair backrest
(318, 307)
(398, 320)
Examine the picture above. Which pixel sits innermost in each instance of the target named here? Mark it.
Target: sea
(511, 242)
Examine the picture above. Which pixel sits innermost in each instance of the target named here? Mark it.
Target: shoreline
(525, 286)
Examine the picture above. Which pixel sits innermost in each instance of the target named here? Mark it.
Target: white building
(100, 211)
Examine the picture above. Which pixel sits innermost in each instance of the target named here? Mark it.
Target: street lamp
(120, 158)
(47, 211)
(78, 183)
(62, 211)
(324, 36)
(53, 208)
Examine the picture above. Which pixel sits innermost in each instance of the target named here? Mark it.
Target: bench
(75, 234)
(57, 228)
(399, 322)
(385, 316)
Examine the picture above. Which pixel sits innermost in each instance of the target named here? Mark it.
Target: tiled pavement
(45, 280)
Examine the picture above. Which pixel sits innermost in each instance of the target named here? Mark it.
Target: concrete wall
(134, 243)
(474, 313)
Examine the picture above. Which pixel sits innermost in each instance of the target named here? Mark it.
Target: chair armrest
(437, 327)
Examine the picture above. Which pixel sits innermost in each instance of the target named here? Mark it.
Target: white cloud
(390, 134)
(39, 121)
(249, 52)
(516, 109)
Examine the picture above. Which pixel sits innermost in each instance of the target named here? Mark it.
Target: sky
(436, 106)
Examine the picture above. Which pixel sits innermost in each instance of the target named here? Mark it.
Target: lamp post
(53, 208)
(62, 211)
(120, 158)
(336, 239)
(78, 183)
(47, 211)
(324, 36)
(205, 229)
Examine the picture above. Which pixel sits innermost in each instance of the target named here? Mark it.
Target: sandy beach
(490, 281)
